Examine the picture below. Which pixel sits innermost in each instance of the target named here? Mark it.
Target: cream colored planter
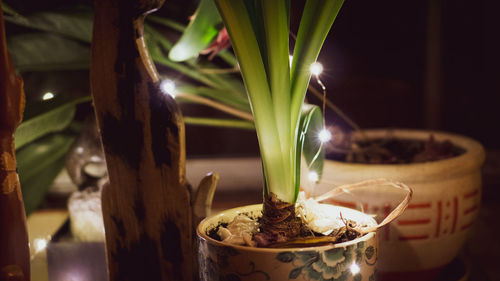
(351, 261)
(445, 202)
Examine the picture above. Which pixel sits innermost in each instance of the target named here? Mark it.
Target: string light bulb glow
(354, 269)
(168, 87)
(40, 244)
(324, 136)
(316, 68)
(313, 176)
(48, 96)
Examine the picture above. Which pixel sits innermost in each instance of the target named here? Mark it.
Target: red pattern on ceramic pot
(445, 202)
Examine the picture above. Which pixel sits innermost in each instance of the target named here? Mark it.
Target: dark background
(411, 64)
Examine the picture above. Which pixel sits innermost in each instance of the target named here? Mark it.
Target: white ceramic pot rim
(200, 230)
(469, 161)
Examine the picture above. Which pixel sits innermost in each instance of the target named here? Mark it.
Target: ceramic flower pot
(353, 260)
(445, 202)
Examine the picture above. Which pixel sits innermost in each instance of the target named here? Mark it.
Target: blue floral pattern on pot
(351, 261)
(226, 263)
(214, 263)
(337, 264)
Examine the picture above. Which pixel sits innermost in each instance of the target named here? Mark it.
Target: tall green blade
(218, 122)
(244, 41)
(317, 19)
(276, 27)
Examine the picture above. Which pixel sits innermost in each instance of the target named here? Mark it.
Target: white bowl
(445, 202)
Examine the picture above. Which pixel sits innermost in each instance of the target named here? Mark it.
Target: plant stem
(216, 122)
(228, 57)
(317, 19)
(219, 70)
(239, 24)
(216, 105)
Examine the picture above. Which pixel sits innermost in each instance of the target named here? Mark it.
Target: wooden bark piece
(202, 203)
(146, 206)
(14, 247)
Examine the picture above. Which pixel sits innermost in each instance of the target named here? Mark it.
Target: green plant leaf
(198, 34)
(228, 57)
(218, 122)
(310, 123)
(75, 23)
(46, 51)
(313, 151)
(317, 19)
(39, 163)
(47, 122)
(238, 20)
(156, 44)
(8, 10)
(276, 28)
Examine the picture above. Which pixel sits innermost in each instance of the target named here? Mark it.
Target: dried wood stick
(14, 247)
(373, 183)
(202, 203)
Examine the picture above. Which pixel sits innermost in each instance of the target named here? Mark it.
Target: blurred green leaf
(166, 22)
(39, 163)
(218, 122)
(199, 33)
(75, 23)
(45, 51)
(8, 9)
(228, 57)
(50, 121)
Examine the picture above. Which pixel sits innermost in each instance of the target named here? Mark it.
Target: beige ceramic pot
(353, 260)
(445, 202)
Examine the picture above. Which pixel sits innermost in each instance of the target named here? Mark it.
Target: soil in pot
(392, 150)
(283, 228)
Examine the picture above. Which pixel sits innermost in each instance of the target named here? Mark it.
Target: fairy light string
(324, 135)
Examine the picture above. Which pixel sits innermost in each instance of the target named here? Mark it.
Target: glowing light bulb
(40, 244)
(168, 87)
(324, 135)
(355, 269)
(95, 158)
(313, 176)
(48, 96)
(316, 68)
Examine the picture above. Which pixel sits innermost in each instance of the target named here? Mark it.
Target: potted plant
(444, 171)
(259, 32)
